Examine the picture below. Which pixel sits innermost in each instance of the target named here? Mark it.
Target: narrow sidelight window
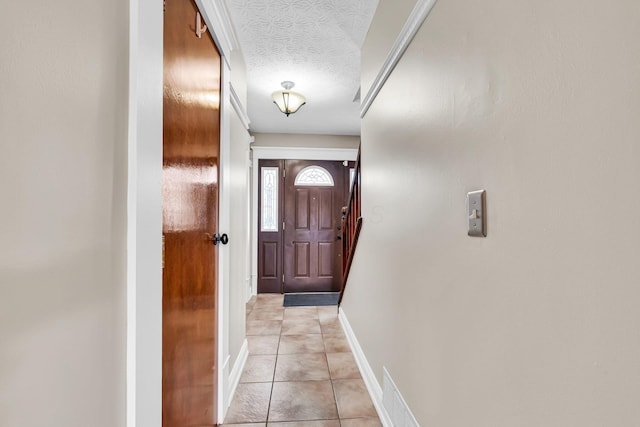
(269, 208)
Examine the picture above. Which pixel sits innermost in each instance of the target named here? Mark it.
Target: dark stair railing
(351, 226)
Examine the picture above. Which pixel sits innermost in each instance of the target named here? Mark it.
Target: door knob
(220, 238)
(339, 237)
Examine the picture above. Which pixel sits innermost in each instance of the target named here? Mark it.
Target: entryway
(300, 370)
(299, 214)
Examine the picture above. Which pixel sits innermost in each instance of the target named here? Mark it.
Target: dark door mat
(298, 300)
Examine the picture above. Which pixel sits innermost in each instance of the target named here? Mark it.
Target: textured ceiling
(315, 44)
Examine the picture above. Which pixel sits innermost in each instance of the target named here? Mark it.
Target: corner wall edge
(217, 18)
(405, 37)
(236, 103)
(234, 378)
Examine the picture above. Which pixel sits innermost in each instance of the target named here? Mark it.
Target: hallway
(299, 369)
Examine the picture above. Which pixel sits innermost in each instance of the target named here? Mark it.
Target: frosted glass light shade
(288, 101)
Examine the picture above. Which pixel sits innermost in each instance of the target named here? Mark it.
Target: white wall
(239, 76)
(536, 324)
(239, 207)
(238, 236)
(144, 212)
(63, 142)
(306, 141)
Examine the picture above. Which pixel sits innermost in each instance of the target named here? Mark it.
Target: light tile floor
(300, 371)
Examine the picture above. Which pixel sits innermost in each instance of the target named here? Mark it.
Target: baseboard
(370, 380)
(234, 376)
(238, 367)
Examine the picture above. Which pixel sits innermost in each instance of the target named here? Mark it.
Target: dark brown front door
(270, 266)
(312, 210)
(191, 147)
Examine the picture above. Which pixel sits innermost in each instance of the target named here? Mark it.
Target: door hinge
(283, 225)
(164, 6)
(283, 278)
(284, 173)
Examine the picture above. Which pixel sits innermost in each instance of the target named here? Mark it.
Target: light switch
(476, 213)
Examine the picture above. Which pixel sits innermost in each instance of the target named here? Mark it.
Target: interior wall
(536, 324)
(63, 180)
(239, 75)
(144, 212)
(238, 237)
(387, 23)
(238, 232)
(305, 141)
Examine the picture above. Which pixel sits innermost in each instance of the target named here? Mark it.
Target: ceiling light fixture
(288, 101)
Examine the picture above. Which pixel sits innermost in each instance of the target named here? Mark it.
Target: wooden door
(270, 253)
(313, 198)
(191, 147)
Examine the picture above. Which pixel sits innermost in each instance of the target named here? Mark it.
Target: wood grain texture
(270, 242)
(191, 144)
(270, 260)
(312, 260)
(351, 225)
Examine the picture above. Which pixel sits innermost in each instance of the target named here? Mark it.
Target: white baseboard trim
(223, 388)
(370, 380)
(234, 375)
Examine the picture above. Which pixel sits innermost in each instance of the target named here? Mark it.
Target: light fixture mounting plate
(288, 85)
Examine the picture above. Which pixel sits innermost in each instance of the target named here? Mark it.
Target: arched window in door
(315, 176)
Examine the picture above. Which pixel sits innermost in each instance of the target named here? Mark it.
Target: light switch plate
(477, 213)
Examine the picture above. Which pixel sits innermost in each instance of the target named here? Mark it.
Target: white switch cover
(476, 213)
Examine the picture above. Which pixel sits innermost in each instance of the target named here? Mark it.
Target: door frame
(143, 297)
(283, 153)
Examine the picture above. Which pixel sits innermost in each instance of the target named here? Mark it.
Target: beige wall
(386, 25)
(536, 324)
(63, 142)
(308, 141)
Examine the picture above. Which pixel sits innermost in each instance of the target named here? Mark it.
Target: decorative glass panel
(269, 211)
(314, 176)
(352, 176)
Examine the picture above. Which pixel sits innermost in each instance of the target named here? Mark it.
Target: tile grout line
(273, 381)
(324, 351)
(333, 388)
(275, 366)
